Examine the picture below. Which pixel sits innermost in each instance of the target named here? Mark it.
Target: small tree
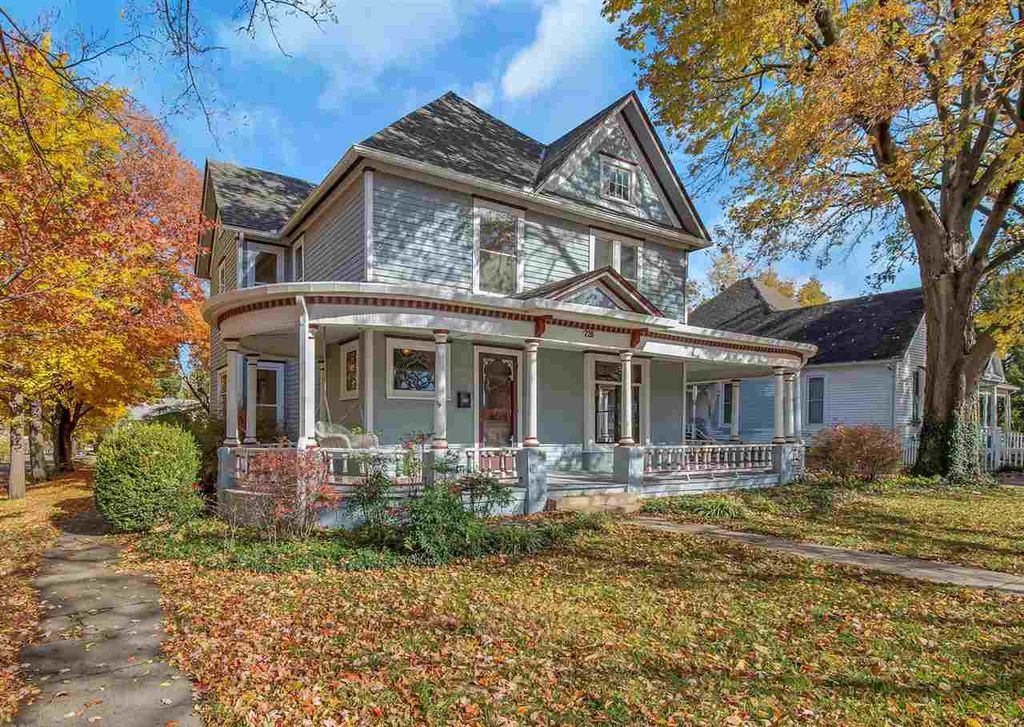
(287, 492)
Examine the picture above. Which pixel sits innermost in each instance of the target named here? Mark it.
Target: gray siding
(421, 234)
(555, 249)
(334, 243)
(585, 181)
(663, 281)
(666, 402)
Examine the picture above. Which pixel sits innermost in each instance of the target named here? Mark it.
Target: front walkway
(99, 659)
(925, 570)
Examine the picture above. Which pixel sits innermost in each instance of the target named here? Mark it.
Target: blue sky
(541, 65)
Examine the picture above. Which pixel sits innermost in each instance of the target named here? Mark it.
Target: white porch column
(734, 421)
(798, 410)
(995, 436)
(307, 380)
(231, 396)
(685, 374)
(251, 363)
(530, 438)
(790, 413)
(441, 390)
(693, 411)
(1007, 416)
(366, 377)
(626, 411)
(780, 422)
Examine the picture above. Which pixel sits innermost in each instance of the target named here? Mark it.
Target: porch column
(780, 422)
(626, 411)
(1007, 417)
(693, 411)
(307, 380)
(734, 421)
(790, 413)
(995, 436)
(798, 426)
(685, 386)
(231, 396)
(441, 390)
(251, 363)
(531, 439)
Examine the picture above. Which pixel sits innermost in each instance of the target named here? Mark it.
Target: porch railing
(998, 449)
(500, 462)
(708, 458)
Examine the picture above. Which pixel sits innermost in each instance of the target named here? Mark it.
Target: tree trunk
(16, 472)
(37, 443)
(64, 456)
(950, 437)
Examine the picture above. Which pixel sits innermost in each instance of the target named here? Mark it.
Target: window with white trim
(264, 264)
(621, 254)
(617, 179)
(411, 368)
(815, 399)
(497, 248)
(299, 259)
(349, 388)
(270, 392)
(603, 406)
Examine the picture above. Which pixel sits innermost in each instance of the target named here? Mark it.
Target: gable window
(299, 259)
(411, 368)
(616, 180)
(622, 255)
(350, 371)
(264, 264)
(498, 232)
(815, 399)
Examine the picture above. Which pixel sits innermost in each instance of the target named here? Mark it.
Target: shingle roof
(561, 148)
(453, 133)
(256, 199)
(870, 328)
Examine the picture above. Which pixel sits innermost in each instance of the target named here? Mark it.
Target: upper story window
(497, 248)
(621, 254)
(264, 264)
(299, 259)
(617, 180)
(815, 399)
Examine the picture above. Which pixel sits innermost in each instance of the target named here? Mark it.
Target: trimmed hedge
(146, 473)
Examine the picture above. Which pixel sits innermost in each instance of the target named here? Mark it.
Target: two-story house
(453, 276)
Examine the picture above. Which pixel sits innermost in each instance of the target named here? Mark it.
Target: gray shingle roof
(870, 328)
(256, 199)
(561, 148)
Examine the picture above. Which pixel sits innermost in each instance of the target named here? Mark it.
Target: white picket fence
(1001, 449)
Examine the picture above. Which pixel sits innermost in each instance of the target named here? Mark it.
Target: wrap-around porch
(554, 397)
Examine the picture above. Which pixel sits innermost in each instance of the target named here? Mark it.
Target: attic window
(616, 180)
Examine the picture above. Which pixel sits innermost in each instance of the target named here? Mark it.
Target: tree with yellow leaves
(898, 123)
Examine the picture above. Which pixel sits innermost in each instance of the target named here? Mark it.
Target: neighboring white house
(869, 368)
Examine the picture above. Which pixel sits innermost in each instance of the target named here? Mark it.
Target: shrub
(146, 473)
(287, 492)
(486, 494)
(863, 451)
(370, 497)
(703, 508)
(440, 528)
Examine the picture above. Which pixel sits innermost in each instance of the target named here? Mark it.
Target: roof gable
(602, 288)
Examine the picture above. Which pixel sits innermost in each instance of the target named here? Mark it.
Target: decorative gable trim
(606, 280)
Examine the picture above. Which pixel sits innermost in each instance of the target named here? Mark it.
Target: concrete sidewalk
(925, 570)
(98, 661)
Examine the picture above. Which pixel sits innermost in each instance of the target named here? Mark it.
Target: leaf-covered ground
(26, 530)
(619, 627)
(982, 528)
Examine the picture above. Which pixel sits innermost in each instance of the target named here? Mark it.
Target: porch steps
(619, 502)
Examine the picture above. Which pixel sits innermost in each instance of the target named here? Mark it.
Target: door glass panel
(497, 400)
(606, 410)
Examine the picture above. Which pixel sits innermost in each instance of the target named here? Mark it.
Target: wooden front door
(498, 425)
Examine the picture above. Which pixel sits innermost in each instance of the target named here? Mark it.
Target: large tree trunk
(950, 436)
(64, 454)
(37, 443)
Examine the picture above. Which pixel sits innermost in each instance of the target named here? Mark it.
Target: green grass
(982, 527)
(619, 626)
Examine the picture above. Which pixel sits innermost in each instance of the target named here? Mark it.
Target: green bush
(146, 473)
(702, 508)
(440, 528)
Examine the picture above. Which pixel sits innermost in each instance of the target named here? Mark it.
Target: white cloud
(481, 93)
(370, 38)
(569, 33)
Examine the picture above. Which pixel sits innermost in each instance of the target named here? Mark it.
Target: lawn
(26, 530)
(615, 626)
(983, 528)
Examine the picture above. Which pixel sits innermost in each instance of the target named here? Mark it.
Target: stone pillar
(231, 398)
(780, 422)
(441, 390)
(626, 409)
(251, 367)
(628, 467)
(734, 422)
(533, 477)
(225, 469)
(789, 415)
(307, 380)
(531, 438)
(16, 476)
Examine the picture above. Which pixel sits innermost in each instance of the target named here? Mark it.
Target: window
(269, 392)
(727, 403)
(616, 180)
(299, 259)
(411, 368)
(222, 276)
(816, 400)
(605, 403)
(264, 264)
(623, 255)
(349, 371)
(916, 395)
(497, 233)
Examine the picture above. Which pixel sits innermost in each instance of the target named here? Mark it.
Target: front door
(497, 396)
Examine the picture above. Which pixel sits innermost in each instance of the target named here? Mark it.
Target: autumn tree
(898, 124)
(727, 268)
(811, 293)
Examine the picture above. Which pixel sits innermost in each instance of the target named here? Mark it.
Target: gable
(580, 176)
(602, 288)
(598, 295)
(994, 370)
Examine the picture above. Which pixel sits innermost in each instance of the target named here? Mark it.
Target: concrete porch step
(620, 502)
